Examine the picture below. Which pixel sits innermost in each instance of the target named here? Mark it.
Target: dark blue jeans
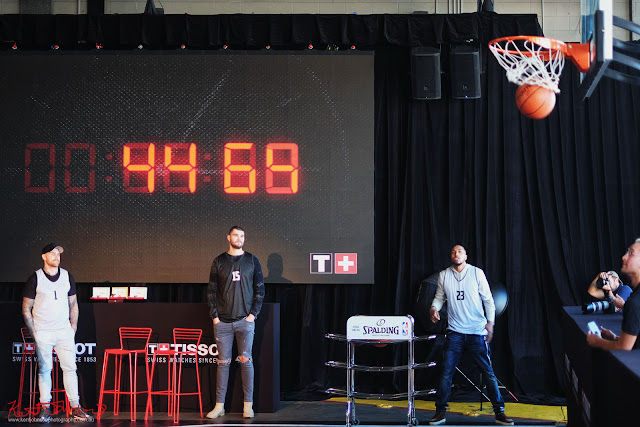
(454, 346)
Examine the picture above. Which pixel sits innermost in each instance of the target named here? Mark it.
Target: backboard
(596, 27)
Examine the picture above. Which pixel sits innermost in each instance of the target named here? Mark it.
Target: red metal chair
(29, 351)
(185, 343)
(56, 390)
(133, 342)
(170, 353)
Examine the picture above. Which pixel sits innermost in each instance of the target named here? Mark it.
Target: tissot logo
(202, 349)
(320, 263)
(82, 348)
(338, 263)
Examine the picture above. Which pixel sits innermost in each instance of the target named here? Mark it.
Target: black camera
(601, 282)
(605, 306)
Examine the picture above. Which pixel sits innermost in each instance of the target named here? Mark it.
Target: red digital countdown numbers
(140, 167)
(233, 168)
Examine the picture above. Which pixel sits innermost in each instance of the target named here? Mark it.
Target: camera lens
(597, 306)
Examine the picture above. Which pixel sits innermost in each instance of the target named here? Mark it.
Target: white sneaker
(247, 411)
(216, 412)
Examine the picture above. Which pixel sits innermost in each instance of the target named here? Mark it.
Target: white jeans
(63, 340)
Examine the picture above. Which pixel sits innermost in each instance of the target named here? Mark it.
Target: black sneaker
(438, 418)
(43, 415)
(502, 419)
(78, 414)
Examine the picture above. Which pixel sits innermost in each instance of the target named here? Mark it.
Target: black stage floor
(307, 413)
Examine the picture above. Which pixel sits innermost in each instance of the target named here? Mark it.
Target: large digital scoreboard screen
(138, 164)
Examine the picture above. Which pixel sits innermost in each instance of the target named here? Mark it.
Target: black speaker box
(425, 73)
(465, 72)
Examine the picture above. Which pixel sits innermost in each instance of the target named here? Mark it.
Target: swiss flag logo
(29, 347)
(346, 263)
(163, 347)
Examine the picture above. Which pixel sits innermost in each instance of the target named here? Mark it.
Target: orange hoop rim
(544, 42)
(578, 53)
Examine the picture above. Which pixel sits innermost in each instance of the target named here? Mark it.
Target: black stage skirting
(98, 329)
(602, 385)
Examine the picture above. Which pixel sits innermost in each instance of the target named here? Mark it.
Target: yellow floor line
(512, 409)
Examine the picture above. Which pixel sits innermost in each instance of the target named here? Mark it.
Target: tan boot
(247, 412)
(217, 411)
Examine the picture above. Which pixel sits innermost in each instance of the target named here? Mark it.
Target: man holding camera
(628, 338)
(607, 285)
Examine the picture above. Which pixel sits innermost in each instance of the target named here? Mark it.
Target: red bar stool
(169, 352)
(28, 350)
(55, 385)
(133, 342)
(185, 343)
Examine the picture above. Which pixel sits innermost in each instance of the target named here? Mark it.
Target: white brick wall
(9, 6)
(201, 8)
(124, 6)
(311, 8)
(68, 7)
(561, 18)
(326, 8)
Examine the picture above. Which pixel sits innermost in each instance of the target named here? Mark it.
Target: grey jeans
(224, 333)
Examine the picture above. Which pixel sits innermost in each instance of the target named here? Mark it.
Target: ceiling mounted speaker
(465, 72)
(425, 73)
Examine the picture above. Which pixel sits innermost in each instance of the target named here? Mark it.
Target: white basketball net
(525, 63)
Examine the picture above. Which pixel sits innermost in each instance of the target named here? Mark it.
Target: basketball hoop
(534, 60)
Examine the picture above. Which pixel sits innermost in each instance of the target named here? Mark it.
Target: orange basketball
(535, 102)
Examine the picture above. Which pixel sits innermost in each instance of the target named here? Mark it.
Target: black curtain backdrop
(541, 206)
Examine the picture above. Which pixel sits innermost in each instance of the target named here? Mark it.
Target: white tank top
(51, 306)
